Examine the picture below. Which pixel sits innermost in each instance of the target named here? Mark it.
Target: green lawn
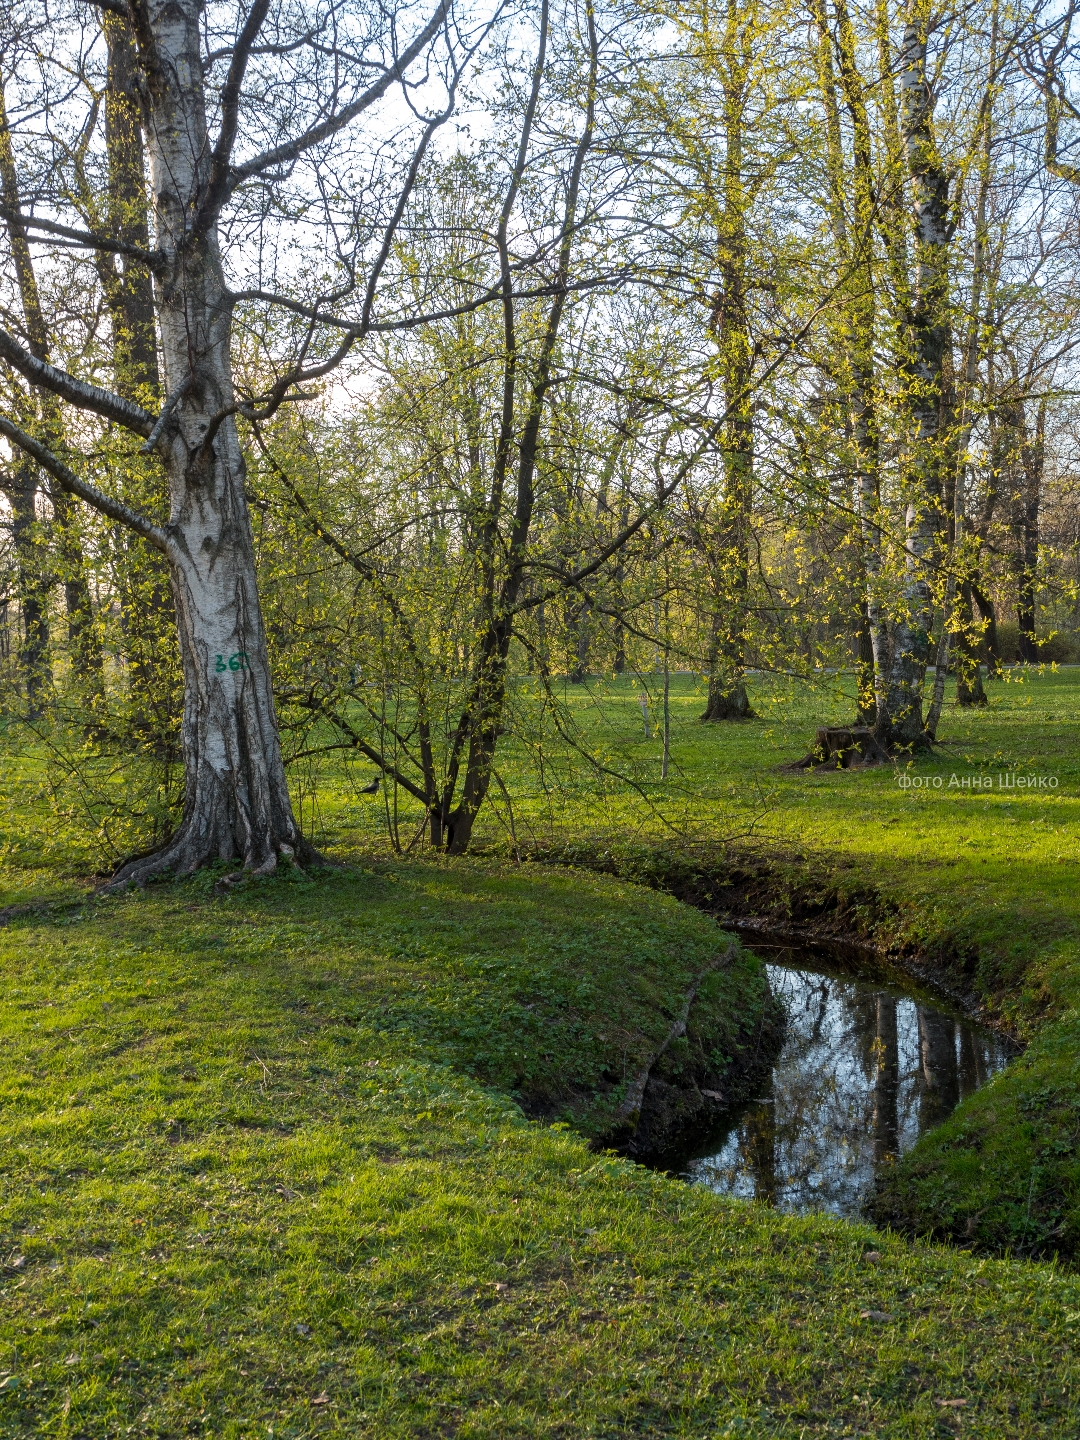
(261, 1176)
(264, 1171)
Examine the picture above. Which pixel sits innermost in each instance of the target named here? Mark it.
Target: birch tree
(245, 114)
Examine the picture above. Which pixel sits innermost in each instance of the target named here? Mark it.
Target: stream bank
(1002, 1174)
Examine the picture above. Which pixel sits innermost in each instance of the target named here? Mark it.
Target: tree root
(844, 747)
(629, 1111)
(180, 857)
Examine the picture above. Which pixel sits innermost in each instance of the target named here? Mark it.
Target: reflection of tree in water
(940, 1089)
(862, 1073)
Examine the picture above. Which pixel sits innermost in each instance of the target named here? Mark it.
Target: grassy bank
(262, 1175)
(945, 864)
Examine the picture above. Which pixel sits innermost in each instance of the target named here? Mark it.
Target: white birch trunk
(237, 802)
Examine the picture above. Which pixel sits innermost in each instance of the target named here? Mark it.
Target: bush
(1008, 642)
(1059, 648)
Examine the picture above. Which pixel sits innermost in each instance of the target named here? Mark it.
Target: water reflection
(864, 1070)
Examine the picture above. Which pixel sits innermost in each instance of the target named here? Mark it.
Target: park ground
(266, 1167)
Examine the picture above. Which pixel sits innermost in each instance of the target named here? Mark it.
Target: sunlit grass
(252, 1185)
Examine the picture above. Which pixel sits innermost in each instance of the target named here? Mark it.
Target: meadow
(268, 1166)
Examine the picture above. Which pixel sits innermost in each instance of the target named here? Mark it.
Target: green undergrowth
(262, 1176)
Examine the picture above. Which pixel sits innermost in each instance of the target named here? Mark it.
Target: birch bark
(237, 800)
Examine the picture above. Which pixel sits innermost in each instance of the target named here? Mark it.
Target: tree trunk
(940, 1080)
(886, 1082)
(865, 672)
(237, 802)
(988, 613)
(128, 286)
(579, 625)
(727, 698)
(730, 326)
(147, 616)
(32, 583)
(85, 653)
(923, 377)
(1028, 506)
(859, 342)
(969, 686)
(481, 718)
(619, 663)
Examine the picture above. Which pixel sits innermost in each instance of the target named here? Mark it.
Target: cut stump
(845, 747)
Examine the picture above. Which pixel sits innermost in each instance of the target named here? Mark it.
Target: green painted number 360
(235, 662)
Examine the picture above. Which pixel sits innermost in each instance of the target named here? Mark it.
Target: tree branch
(69, 481)
(218, 185)
(115, 7)
(90, 238)
(356, 742)
(283, 154)
(167, 409)
(411, 322)
(76, 392)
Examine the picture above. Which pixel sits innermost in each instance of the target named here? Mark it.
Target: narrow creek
(867, 1066)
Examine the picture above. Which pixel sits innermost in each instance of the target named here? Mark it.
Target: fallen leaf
(17, 1262)
(286, 1193)
(872, 1257)
(952, 1404)
(322, 1399)
(877, 1315)
(501, 1285)
(73, 1358)
(302, 1329)
(713, 1094)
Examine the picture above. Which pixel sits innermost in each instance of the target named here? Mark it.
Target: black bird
(372, 789)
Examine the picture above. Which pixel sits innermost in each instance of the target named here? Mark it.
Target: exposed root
(181, 856)
(626, 1117)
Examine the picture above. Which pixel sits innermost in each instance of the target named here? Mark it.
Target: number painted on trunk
(239, 661)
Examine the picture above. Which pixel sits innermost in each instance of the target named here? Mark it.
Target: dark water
(865, 1069)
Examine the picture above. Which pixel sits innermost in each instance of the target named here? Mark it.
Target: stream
(866, 1067)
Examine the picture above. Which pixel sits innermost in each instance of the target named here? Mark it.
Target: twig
(629, 1111)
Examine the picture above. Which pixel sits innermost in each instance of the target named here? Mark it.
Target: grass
(262, 1176)
(984, 881)
(267, 1167)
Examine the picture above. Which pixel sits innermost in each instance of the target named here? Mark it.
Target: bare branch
(218, 185)
(76, 392)
(355, 741)
(90, 238)
(284, 154)
(413, 322)
(69, 481)
(166, 410)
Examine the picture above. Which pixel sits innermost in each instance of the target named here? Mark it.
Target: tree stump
(845, 747)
